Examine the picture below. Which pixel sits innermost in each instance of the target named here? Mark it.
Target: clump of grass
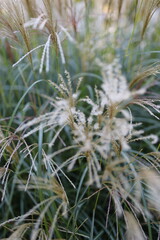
(12, 21)
(79, 159)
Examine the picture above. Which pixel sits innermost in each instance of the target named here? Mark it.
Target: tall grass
(79, 119)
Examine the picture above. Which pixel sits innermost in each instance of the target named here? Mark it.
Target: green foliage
(79, 119)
